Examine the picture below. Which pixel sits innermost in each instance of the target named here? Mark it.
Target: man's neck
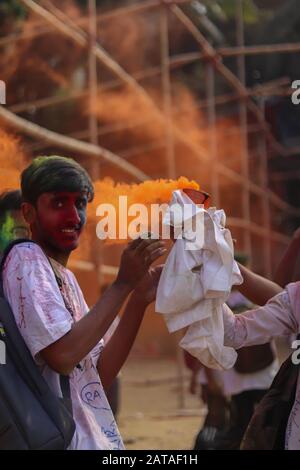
(61, 258)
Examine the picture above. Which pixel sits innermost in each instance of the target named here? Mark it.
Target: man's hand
(147, 287)
(136, 260)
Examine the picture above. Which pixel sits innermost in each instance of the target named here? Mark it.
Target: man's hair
(54, 173)
(10, 201)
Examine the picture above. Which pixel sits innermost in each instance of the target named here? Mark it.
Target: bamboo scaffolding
(230, 174)
(103, 57)
(151, 5)
(258, 90)
(230, 78)
(212, 55)
(256, 229)
(40, 29)
(73, 145)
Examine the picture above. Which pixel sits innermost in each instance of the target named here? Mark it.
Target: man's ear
(29, 212)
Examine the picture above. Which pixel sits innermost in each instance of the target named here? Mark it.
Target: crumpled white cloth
(196, 280)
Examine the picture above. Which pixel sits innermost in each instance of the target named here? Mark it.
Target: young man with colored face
(12, 223)
(62, 334)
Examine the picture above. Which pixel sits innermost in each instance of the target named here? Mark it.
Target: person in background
(12, 223)
(286, 271)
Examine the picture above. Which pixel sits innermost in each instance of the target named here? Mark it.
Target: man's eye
(81, 204)
(59, 204)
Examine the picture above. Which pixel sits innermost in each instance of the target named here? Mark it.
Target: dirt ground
(150, 415)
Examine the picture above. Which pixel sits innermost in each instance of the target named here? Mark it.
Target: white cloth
(232, 383)
(196, 281)
(32, 292)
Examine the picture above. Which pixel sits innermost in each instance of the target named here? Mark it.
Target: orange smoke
(146, 193)
(12, 161)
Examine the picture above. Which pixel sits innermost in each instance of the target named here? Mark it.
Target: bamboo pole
(68, 143)
(259, 49)
(257, 229)
(92, 65)
(243, 129)
(92, 83)
(166, 91)
(211, 117)
(97, 254)
(265, 202)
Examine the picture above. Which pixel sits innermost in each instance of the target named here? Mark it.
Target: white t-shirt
(279, 317)
(42, 317)
(233, 382)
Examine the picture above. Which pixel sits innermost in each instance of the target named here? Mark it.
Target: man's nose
(73, 215)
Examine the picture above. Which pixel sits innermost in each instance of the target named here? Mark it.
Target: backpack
(267, 427)
(31, 415)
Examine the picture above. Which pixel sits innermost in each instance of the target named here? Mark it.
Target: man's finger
(147, 244)
(134, 243)
(154, 256)
(150, 248)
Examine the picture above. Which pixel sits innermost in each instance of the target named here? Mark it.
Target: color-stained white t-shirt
(42, 317)
(279, 317)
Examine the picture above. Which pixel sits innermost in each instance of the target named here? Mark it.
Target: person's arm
(213, 386)
(256, 288)
(195, 372)
(286, 267)
(64, 354)
(259, 325)
(116, 351)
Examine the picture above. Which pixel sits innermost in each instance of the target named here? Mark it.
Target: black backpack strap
(66, 392)
(64, 380)
(9, 248)
(5, 255)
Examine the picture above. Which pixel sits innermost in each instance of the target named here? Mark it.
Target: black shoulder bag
(267, 428)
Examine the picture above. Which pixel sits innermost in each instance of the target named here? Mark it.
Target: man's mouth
(71, 230)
